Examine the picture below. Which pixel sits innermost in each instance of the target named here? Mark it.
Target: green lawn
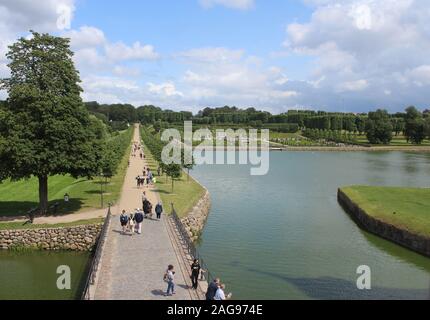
(187, 192)
(398, 141)
(406, 208)
(19, 225)
(16, 198)
(282, 135)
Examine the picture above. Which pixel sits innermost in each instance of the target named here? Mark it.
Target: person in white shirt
(220, 295)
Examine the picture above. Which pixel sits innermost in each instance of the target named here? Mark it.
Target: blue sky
(349, 55)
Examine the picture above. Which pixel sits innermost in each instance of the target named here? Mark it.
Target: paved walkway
(132, 267)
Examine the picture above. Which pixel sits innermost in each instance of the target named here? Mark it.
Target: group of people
(132, 223)
(169, 277)
(216, 291)
(137, 148)
(147, 176)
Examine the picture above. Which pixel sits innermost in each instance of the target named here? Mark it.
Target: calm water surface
(33, 275)
(284, 235)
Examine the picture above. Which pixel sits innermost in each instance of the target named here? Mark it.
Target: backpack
(123, 219)
(138, 217)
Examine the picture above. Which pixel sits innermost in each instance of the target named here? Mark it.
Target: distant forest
(118, 116)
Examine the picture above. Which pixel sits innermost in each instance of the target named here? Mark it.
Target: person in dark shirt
(195, 272)
(212, 289)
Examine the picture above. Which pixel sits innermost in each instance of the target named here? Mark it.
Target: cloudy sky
(343, 55)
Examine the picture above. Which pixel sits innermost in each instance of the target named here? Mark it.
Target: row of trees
(125, 113)
(336, 136)
(155, 145)
(415, 125)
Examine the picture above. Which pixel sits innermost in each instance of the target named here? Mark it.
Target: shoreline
(424, 149)
(417, 243)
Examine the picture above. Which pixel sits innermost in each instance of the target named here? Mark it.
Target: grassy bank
(405, 208)
(187, 192)
(21, 226)
(16, 198)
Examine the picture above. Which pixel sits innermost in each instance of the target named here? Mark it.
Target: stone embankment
(195, 220)
(385, 230)
(79, 238)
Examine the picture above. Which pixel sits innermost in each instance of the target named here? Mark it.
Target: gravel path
(132, 267)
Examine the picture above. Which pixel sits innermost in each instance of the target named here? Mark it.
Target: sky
(275, 55)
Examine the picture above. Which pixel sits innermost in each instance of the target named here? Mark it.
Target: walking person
(124, 221)
(138, 217)
(195, 272)
(131, 224)
(212, 289)
(146, 207)
(144, 198)
(159, 210)
(169, 277)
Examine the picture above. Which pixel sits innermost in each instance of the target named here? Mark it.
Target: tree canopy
(45, 128)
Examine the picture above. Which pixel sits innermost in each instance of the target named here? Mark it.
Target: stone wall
(402, 237)
(195, 220)
(79, 238)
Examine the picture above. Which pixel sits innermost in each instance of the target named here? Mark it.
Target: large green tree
(379, 129)
(45, 129)
(415, 126)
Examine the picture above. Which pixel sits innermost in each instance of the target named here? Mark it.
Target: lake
(33, 275)
(284, 235)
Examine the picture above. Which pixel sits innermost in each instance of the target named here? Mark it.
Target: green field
(406, 208)
(398, 141)
(187, 192)
(16, 198)
(19, 225)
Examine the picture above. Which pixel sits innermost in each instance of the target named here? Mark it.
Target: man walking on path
(139, 219)
(159, 210)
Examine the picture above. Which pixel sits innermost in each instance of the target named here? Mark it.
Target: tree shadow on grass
(164, 192)
(58, 207)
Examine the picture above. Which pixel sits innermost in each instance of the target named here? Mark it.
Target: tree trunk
(188, 177)
(43, 195)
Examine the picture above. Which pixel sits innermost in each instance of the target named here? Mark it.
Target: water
(33, 275)
(284, 235)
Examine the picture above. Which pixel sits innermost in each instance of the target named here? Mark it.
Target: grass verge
(405, 208)
(16, 198)
(21, 226)
(186, 193)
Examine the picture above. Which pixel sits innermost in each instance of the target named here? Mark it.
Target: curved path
(132, 267)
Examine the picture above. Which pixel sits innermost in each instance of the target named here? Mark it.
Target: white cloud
(368, 47)
(219, 76)
(17, 16)
(358, 85)
(420, 75)
(234, 4)
(86, 37)
(120, 52)
(166, 89)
